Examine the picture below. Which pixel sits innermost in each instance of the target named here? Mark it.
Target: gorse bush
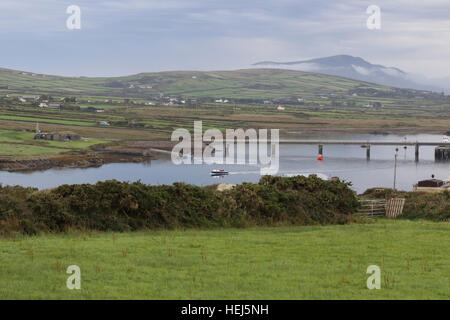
(418, 205)
(121, 206)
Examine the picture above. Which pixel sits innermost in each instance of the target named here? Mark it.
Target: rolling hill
(244, 84)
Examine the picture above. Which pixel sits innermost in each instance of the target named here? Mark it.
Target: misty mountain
(359, 69)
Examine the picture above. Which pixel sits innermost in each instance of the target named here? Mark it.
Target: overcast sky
(120, 37)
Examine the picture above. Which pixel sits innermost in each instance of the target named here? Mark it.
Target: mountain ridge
(359, 69)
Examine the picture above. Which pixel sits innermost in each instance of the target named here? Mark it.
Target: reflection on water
(347, 162)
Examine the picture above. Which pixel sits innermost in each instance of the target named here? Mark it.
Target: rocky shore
(67, 161)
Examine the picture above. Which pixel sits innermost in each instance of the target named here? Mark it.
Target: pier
(442, 153)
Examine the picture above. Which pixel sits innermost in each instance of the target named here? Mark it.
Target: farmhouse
(57, 136)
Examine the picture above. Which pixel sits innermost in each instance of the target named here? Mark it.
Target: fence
(390, 208)
(372, 207)
(394, 207)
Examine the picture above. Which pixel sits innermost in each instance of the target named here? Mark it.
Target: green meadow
(18, 144)
(304, 262)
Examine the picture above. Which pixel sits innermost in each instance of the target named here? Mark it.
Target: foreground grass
(323, 262)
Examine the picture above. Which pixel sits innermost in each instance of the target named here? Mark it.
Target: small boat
(219, 172)
(445, 139)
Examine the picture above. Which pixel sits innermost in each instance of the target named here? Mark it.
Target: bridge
(442, 151)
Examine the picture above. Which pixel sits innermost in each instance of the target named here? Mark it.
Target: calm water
(346, 162)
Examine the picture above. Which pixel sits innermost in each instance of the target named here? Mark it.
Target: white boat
(445, 139)
(219, 172)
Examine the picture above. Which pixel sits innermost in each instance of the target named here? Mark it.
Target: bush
(418, 205)
(119, 206)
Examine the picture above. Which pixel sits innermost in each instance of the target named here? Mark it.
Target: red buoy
(320, 157)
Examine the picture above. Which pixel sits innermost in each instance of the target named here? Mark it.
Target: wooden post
(320, 149)
(368, 152)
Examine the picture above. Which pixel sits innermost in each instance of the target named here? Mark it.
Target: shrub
(119, 206)
(418, 205)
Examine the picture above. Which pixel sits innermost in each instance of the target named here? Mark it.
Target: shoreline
(69, 162)
(141, 151)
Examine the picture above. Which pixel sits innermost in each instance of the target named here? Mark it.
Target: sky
(122, 37)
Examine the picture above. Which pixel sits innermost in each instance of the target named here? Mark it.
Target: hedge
(121, 206)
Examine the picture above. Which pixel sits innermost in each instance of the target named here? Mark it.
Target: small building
(57, 136)
(432, 185)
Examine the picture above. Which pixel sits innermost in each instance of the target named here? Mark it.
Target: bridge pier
(321, 149)
(417, 152)
(442, 153)
(368, 152)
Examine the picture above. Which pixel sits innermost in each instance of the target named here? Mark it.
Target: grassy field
(321, 262)
(250, 83)
(17, 144)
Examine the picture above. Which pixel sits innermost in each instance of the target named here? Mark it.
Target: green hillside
(248, 83)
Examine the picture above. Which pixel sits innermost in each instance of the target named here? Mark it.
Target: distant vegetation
(119, 206)
(254, 84)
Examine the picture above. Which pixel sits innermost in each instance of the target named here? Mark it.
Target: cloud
(199, 34)
(392, 72)
(361, 70)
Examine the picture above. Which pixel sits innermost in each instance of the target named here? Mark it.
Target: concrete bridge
(442, 150)
(444, 146)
